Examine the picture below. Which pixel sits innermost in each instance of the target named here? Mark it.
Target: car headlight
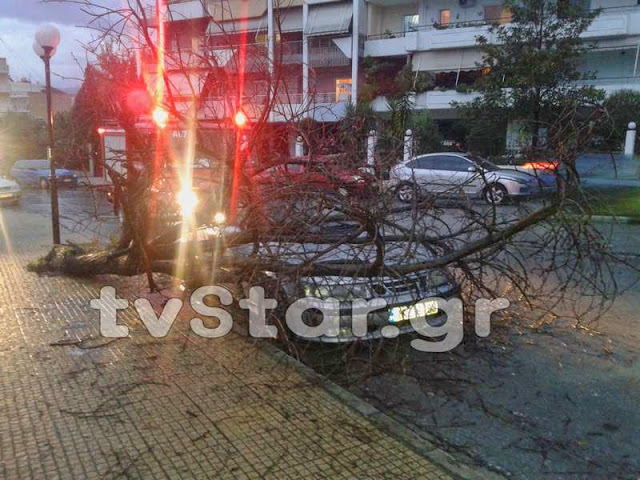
(220, 218)
(339, 291)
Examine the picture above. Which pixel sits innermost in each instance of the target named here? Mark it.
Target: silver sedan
(463, 174)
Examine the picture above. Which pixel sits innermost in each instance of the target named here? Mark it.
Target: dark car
(37, 173)
(408, 298)
(322, 173)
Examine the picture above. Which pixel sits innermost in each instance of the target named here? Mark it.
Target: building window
(343, 89)
(410, 22)
(445, 18)
(497, 14)
(263, 37)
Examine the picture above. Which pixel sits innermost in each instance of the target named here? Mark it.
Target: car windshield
(32, 165)
(486, 164)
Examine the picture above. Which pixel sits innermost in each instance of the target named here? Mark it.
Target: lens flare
(219, 218)
(240, 119)
(160, 117)
(188, 201)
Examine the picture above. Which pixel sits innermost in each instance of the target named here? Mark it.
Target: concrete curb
(608, 219)
(412, 439)
(612, 219)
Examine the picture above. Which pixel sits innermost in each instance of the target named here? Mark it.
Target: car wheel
(44, 184)
(495, 194)
(405, 192)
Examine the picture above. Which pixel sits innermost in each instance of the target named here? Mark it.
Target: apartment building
(27, 97)
(319, 47)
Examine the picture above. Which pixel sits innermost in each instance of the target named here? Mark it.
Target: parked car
(407, 298)
(10, 192)
(322, 173)
(37, 173)
(466, 174)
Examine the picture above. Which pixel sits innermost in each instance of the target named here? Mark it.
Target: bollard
(299, 148)
(372, 139)
(630, 140)
(408, 145)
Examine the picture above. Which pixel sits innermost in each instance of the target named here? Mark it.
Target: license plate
(410, 312)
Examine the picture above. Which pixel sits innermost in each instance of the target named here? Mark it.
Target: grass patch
(619, 202)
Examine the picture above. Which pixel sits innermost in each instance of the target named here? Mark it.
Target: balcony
(390, 44)
(614, 22)
(186, 9)
(433, 100)
(322, 106)
(613, 85)
(611, 23)
(325, 53)
(321, 54)
(177, 10)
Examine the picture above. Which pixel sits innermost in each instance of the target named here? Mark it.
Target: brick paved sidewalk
(181, 407)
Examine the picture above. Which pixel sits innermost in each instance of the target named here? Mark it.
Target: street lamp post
(46, 43)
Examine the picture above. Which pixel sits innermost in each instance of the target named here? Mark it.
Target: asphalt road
(530, 401)
(84, 213)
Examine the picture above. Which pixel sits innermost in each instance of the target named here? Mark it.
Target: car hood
(60, 172)
(5, 182)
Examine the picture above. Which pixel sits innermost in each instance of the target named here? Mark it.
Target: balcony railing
(611, 81)
(282, 98)
(321, 53)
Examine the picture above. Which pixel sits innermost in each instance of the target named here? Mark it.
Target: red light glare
(240, 119)
(160, 117)
(101, 131)
(541, 165)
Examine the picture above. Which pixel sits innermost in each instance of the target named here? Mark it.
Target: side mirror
(472, 169)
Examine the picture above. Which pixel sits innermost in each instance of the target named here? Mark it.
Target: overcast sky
(19, 19)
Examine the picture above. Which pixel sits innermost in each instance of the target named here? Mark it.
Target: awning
(329, 19)
(290, 20)
(447, 60)
(236, 26)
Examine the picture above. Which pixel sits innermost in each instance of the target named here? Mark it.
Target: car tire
(44, 184)
(406, 192)
(495, 194)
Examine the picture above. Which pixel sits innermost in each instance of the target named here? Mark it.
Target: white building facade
(321, 44)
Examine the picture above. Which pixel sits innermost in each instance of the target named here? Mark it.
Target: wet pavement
(83, 212)
(532, 400)
(76, 405)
